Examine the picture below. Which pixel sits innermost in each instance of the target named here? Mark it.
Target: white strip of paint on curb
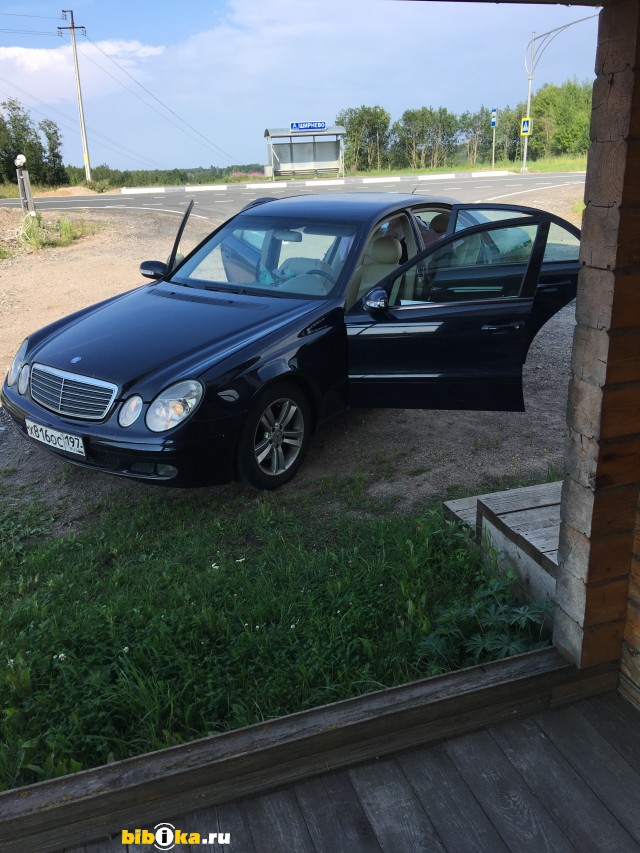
(380, 180)
(140, 190)
(449, 177)
(496, 174)
(268, 186)
(328, 183)
(206, 188)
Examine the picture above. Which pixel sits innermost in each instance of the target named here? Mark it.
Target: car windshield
(286, 257)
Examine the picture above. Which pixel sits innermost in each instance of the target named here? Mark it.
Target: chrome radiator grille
(71, 394)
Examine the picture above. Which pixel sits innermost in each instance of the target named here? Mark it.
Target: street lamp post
(532, 57)
(24, 185)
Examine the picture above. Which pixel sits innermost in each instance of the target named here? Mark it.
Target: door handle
(507, 327)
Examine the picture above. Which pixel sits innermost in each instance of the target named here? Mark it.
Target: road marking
(532, 190)
(328, 183)
(491, 173)
(381, 180)
(140, 190)
(449, 177)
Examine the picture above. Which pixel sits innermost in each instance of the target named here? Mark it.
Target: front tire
(274, 438)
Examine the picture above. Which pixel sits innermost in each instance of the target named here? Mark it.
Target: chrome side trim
(394, 375)
(386, 330)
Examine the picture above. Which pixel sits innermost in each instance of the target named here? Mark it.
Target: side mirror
(153, 269)
(376, 300)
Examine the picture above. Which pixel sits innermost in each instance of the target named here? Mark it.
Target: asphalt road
(223, 201)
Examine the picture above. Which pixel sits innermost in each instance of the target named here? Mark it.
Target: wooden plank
(523, 823)
(611, 778)
(232, 819)
(623, 363)
(451, 807)
(625, 309)
(531, 519)
(619, 463)
(109, 845)
(527, 497)
(568, 799)
(498, 530)
(62, 812)
(620, 414)
(617, 721)
(463, 509)
(544, 539)
(393, 810)
(276, 823)
(334, 815)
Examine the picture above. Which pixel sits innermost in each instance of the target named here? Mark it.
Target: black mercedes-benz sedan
(226, 362)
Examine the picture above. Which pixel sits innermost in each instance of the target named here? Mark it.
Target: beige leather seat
(384, 257)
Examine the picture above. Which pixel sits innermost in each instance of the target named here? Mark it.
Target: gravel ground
(413, 455)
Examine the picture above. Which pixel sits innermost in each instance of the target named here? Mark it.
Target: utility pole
(83, 132)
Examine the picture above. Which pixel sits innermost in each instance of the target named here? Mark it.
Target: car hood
(164, 329)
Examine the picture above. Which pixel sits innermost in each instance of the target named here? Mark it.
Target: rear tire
(274, 437)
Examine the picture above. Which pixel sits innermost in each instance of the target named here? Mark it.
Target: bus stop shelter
(305, 151)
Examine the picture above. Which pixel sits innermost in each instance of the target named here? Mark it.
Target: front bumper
(195, 454)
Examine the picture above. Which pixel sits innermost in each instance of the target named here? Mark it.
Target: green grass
(39, 234)
(199, 612)
(557, 164)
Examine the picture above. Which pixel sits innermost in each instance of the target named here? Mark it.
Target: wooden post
(601, 489)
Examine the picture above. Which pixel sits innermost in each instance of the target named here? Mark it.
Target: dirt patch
(65, 191)
(412, 455)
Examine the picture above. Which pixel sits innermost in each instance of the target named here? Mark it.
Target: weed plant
(38, 234)
(203, 611)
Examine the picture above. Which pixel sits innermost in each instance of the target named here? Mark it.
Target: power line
(29, 32)
(123, 148)
(231, 157)
(146, 103)
(19, 15)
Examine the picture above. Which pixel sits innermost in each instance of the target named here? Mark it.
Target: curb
(318, 182)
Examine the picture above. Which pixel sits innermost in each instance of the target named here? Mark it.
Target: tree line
(40, 144)
(433, 138)
(422, 138)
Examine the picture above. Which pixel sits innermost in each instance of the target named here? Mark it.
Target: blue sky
(231, 68)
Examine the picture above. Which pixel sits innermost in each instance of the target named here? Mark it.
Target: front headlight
(23, 379)
(173, 405)
(17, 363)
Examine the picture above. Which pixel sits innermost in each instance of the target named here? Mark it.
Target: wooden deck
(564, 779)
(524, 526)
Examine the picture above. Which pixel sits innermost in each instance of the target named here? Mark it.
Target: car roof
(351, 207)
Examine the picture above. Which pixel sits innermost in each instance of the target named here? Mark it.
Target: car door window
(477, 214)
(561, 246)
(488, 264)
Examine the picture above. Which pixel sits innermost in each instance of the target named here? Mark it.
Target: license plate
(56, 439)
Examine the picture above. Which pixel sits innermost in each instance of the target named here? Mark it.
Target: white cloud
(267, 63)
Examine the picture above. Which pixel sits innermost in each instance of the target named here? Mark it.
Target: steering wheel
(323, 273)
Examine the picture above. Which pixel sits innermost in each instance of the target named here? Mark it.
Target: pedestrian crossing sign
(525, 126)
